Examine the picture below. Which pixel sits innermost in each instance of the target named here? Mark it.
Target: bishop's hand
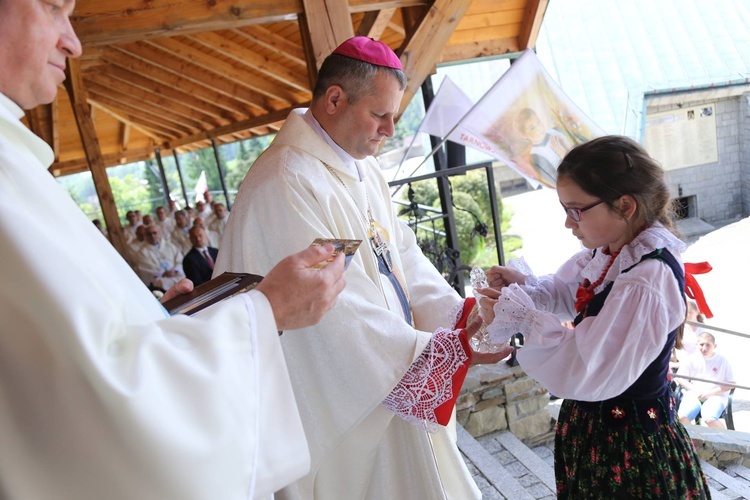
(484, 358)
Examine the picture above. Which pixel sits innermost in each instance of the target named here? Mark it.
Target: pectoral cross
(380, 247)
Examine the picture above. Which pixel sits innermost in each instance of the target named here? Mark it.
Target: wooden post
(179, 173)
(85, 122)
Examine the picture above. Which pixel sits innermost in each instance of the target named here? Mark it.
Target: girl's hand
(486, 303)
(501, 276)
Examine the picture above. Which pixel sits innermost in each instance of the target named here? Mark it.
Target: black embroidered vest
(649, 396)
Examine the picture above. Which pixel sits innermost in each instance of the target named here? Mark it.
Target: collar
(10, 107)
(349, 161)
(15, 131)
(650, 239)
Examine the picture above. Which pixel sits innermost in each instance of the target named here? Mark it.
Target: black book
(213, 291)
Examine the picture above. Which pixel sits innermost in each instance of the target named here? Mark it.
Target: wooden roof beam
(375, 22)
(356, 6)
(126, 120)
(85, 122)
(168, 107)
(124, 136)
(274, 96)
(155, 121)
(271, 41)
(532, 21)
(165, 117)
(232, 110)
(188, 71)
(258, 121)
(333, 25)
(214, 114)
(480, 48)
(101, 22)
(258, 63)
(79, 165)
(425, 45)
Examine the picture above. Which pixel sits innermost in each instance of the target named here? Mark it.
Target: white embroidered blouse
(602, 356)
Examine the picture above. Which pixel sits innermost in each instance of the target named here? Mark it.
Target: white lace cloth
(428, 382)
(515, 313)
(537, 288)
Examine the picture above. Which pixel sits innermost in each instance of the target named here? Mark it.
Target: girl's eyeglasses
(575, 213)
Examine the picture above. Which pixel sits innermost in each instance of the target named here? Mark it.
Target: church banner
(446, 118)
(525, 120)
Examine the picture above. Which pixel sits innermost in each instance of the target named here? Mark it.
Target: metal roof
(608, 54)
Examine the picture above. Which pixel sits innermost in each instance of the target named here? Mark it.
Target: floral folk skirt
(594, 459)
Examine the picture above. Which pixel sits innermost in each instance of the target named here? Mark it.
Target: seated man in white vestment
(133, 247)
(159, 261)
(376, 380)
(102, 394)
(181, 232)
(219, 221)
(129, 230)
(165, 221)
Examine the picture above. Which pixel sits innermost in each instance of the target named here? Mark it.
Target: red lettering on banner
(475, 142)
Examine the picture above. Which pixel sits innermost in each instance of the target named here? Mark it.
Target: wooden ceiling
(172, 75)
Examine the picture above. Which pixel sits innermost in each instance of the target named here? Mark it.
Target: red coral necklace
(586, 290)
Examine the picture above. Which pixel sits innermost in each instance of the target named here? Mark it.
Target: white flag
(448, 106)
(201, 187)
(445, 118)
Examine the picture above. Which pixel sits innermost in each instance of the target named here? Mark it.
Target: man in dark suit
(198, 263)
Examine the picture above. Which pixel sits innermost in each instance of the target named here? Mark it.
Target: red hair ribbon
(693, 289)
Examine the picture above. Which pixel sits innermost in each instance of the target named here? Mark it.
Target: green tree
(250, 150)
(155, 192)
(471, 207)
(129, 193)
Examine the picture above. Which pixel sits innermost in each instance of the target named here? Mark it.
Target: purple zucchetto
(368, 50)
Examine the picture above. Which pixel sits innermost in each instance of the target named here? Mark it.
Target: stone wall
(720, 448)
(744, 127)
(499, 397)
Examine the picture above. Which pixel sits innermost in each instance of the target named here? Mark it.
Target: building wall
(744, 127)
(718, 187)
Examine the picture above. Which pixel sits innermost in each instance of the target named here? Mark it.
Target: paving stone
(517, 469)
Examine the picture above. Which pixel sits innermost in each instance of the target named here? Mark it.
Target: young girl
(617, 434)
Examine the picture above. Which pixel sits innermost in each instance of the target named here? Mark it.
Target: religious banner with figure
(524, 120)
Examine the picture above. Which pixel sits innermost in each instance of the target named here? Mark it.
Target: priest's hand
(300, 295)
(484, 358)
(181, 287)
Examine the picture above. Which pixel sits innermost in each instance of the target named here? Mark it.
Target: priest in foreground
(102, 394)
(376, 381)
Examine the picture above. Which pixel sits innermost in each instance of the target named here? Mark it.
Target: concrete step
(505, 468)
(731, 483)
(498, 471)
(528, 458)
(491, 477)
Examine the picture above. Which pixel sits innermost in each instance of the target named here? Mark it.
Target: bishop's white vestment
(345, 367)
(102, 395)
